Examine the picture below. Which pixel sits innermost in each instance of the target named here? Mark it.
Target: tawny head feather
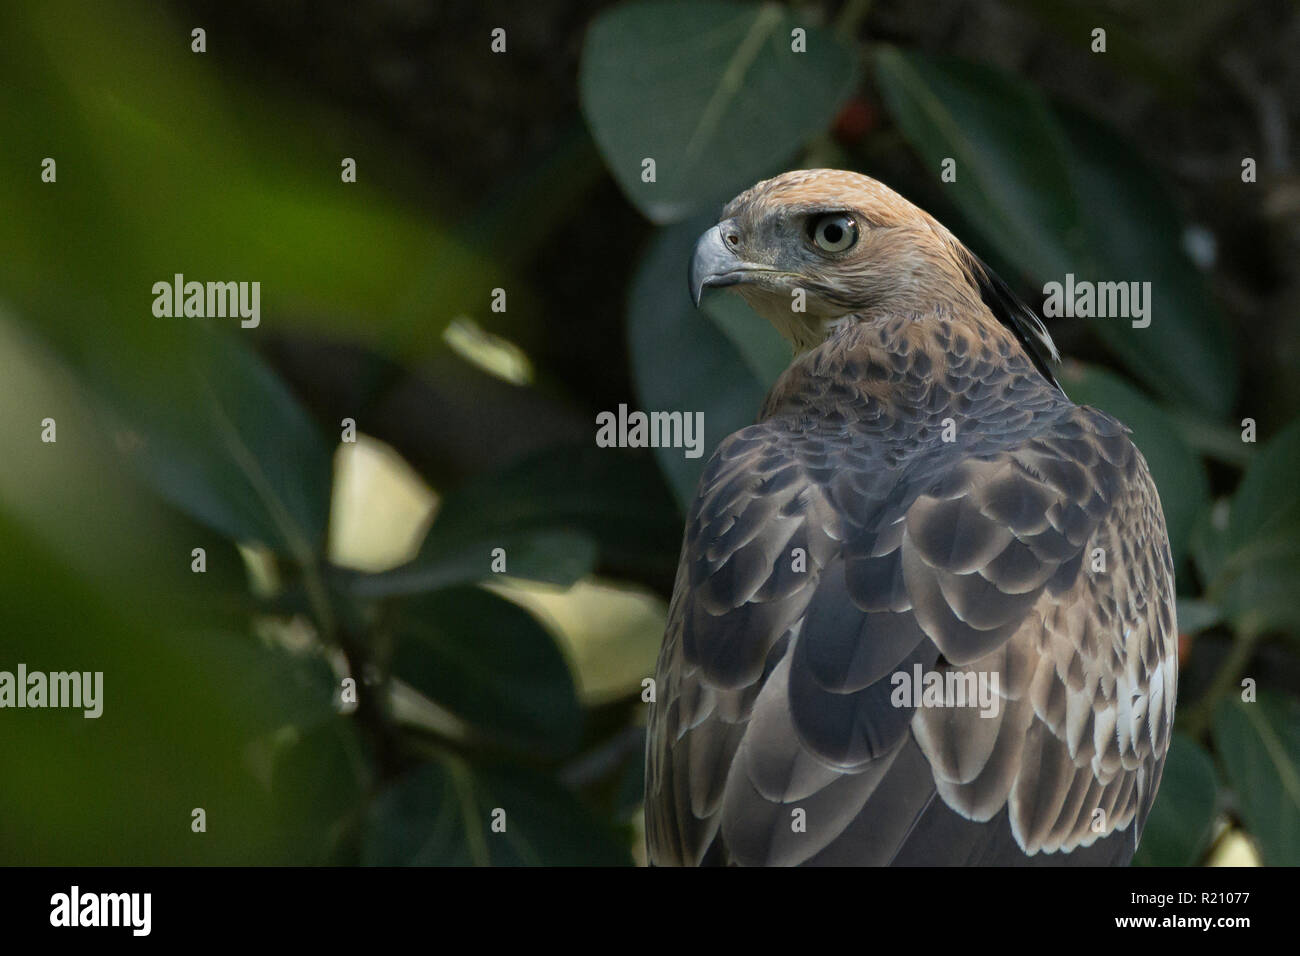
(811, 249)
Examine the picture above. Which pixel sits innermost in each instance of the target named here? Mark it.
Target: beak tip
(697, 292)
(711, 261)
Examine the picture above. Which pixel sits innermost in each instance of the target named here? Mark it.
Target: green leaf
(1179, 474)
(557, 557)
(1218, 442)
(1195, 616)
(1178, 829)
(317, 777)
(442, 813)
(490, 663)
(1056, 192)
(1134, 233)
(759, 344)
(682, 361)
(1266, 507)
(225, 441)
(298, 688)
(1259, 747)
(1256, 559)
(1258, 592)
(1133, 46)
(554, 513)
(358, 263)
(712, 92)
(178, 713)
(1012, 181)
(1209, 539)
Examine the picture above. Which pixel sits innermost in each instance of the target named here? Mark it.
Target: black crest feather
(1011, 311)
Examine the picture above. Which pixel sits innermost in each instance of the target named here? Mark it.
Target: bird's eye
(834, 233)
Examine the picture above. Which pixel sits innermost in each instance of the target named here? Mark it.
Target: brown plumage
(917, 491)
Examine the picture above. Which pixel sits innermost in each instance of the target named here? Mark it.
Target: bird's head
(812, 247)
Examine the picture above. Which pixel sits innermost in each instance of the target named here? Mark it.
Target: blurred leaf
(1127, 44)
(1060, 193)
(557, 557)
(1209, 542)
(1266, 507)
(1258, 593)
(1134, 233)
(1259, 747)
(177, 718)
(1220, 442)
(1178, 829)
(231, 446)
(1233, 848)
(243, 159)
(315, 814)
(490, 663)
(441, 814)
(60, 491)
(681, 361)
(610, 634)
(299, 689)
(631, 786)
(1179, 474)
(712, 92)
(1012, 180)
(1195, 616)
(554, 513)
(759, 344)
(1256, 560)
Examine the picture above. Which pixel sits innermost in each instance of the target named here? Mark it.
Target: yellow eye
(834, 233)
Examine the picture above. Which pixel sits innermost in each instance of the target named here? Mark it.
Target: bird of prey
(919, 503)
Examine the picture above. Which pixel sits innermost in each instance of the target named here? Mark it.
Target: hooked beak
(715, 263)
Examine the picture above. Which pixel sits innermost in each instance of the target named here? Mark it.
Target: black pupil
(832, 233)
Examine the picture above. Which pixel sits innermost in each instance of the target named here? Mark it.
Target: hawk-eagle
(919, 503)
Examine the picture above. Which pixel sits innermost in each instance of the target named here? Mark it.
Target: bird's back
(917, 510)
